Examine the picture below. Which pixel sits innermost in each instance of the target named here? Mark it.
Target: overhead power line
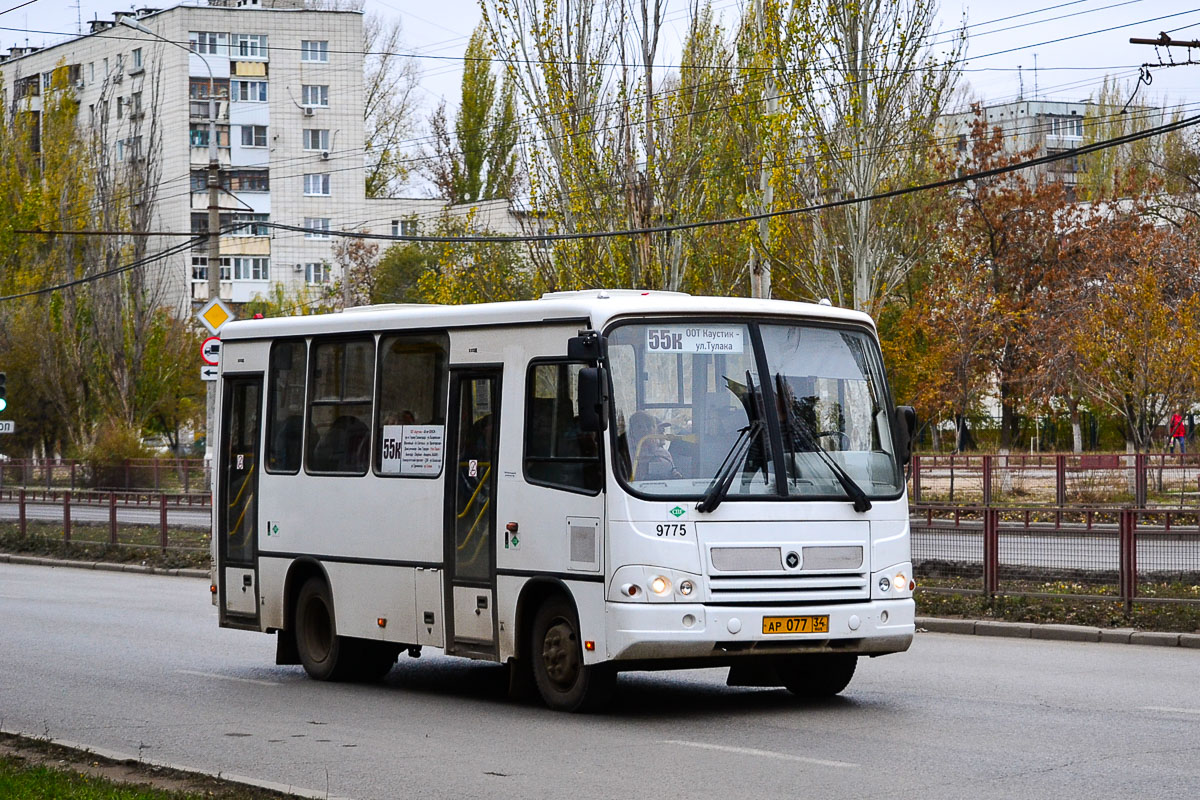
(141, 262)
(966, 178)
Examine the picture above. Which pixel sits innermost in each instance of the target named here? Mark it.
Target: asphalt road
(136, 664)
(144, 515)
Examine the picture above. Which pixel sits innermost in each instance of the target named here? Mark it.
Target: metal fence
(1138, 480)
(184, 475)
(29, 505)
(1124, 553)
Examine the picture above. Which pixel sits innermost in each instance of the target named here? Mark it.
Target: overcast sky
(1068, 69)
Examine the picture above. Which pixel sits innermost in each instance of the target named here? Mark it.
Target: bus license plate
(811, 624)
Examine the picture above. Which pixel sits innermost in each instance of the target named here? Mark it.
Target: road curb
(229, 777)
(103, 566)
(1061, 633)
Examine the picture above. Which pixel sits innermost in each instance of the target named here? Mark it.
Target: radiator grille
(746, 559)
(794, 588)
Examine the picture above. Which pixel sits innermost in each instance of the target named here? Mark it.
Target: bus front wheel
(818, 676)
(563, 680)
(320, 648)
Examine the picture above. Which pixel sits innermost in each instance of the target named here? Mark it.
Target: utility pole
(760, 264)
(1164, 40)
(214, 215)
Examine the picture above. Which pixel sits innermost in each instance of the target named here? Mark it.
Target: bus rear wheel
(563, 680)
(818, 676)
(322, 652)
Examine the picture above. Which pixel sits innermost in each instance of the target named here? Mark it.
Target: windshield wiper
(716, 491)
(809, 440)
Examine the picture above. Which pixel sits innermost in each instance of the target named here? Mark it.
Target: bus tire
(374, 660)
(556, 656)
(818, 676)
(323, 653)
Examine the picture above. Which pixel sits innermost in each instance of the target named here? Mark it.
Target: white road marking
(225, 677)
(749, 751)
(1170, 710)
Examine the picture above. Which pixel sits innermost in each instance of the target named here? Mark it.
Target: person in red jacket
(1178, 433)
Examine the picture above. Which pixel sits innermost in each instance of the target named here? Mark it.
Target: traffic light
(3, 391)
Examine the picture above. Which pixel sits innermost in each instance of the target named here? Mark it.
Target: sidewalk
(1062, 633)
(105, 566)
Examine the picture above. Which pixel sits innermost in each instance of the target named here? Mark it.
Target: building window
(251, 268)
(248, 180)
(198, 88)
(135, 104)
(311, 50)
(198, 133)
(317, 272)
(137, 58)
(252, 224)
(91, 72)
(316, 185)
(254, 136)
(248, 91)
(318, 227)
(200, 268)
(314, 95)
(316, 139)
(250, 46)
(206, 43)
(404, 227)
(1069, 127)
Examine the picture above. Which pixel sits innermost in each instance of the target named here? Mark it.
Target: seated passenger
(652, 459)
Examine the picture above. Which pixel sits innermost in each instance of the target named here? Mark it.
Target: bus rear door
(470, 520)
(237, 500)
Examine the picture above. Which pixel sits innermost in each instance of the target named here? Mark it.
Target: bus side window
(285, 406)
(557, 452)
(339, 407)
(411, 398)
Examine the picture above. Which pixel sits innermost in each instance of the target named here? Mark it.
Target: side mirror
(593, 399)
(587, 346)
(906, 416)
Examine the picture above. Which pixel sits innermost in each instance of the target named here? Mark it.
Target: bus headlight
(638, 583)
(894, 582)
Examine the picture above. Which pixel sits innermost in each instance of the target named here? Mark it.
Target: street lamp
(214, 164)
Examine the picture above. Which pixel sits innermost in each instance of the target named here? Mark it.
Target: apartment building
(288, 86)
(1048, 127)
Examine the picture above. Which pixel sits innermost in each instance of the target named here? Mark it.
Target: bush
(105, 461)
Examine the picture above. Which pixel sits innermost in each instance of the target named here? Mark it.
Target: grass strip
(34, 769)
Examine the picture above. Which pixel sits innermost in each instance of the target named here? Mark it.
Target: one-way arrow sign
(209, 373)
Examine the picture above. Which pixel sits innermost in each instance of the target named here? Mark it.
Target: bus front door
(470, 553)
(237, 500)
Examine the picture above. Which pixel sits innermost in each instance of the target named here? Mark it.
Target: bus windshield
(691, 402)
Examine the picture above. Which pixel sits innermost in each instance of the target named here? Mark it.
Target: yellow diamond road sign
(215, 314)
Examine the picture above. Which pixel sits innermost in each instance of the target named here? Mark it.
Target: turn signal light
(381, 622)
(212, 588)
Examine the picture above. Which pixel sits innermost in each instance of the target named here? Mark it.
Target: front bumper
(652, 631)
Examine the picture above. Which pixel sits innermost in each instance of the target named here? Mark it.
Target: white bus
(573, 486)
